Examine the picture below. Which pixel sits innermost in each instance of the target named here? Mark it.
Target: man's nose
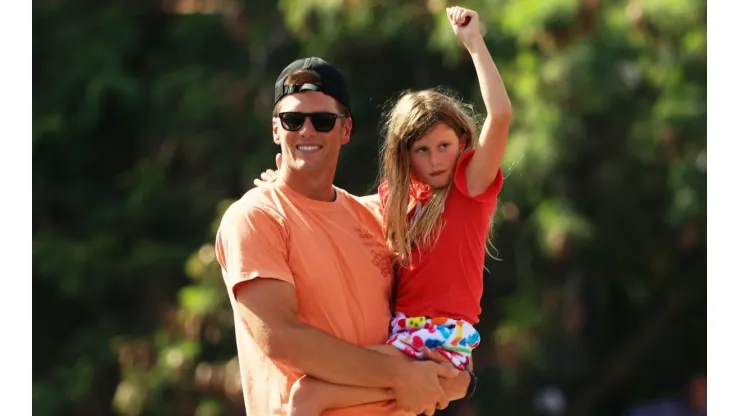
(307, 130)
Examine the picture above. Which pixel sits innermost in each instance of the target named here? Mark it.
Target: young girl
(438, 194)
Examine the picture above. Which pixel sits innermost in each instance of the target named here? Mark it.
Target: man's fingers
(268, 176)
(257, 182)
(438, 357)
(447, 371)
(435, 356)
(443, 403)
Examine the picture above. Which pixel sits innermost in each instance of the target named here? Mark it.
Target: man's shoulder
(366, 208)
(256, 203)
(367, 203)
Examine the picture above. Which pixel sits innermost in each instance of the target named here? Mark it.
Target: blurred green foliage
(148, 121)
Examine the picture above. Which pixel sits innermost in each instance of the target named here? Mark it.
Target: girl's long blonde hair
(412, 116)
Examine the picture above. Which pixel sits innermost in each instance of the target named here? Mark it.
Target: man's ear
(346, 130)
(275, 128)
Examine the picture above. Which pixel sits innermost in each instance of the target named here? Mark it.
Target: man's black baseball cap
(332, 81)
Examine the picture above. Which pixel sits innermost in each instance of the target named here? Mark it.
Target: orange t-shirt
(333, 253)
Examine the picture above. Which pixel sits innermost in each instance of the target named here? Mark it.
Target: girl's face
(434, 156)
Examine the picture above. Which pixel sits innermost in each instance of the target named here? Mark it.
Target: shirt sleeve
(374, 204)
(252, 242)
(461, 180)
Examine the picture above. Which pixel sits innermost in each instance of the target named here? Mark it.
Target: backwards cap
(332, 82)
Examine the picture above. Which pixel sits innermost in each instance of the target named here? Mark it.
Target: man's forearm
(320, 355)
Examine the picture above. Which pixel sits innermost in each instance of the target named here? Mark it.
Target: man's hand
(465, 24)
(419, 390)
(455, 388)
(269, 175)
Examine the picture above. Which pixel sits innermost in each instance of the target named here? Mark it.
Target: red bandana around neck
(419, 192)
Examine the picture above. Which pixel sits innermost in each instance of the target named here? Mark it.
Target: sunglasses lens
(292, 121)
(323, 122)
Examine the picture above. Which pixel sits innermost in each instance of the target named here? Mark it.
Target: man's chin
(307, 166)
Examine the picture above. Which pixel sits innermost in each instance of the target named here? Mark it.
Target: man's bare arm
(269, 309)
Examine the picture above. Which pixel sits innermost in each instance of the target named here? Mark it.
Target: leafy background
(150, 117)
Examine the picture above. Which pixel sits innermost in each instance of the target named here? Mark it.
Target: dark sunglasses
(322, 122)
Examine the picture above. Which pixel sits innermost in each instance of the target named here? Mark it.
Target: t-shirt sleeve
(374, 204)
(252, 242)
(461, 180)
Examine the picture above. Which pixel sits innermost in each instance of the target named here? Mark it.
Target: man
(307, 270)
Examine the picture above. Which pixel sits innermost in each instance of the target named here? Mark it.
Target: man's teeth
(305, 147)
